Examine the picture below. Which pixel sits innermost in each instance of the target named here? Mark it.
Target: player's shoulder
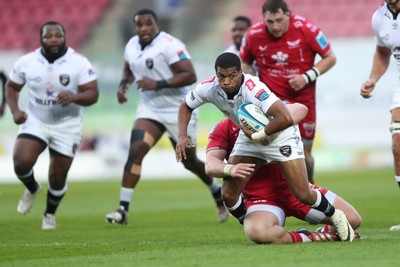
(75, 54)
(380, 12)
(256, 29)
(208, 83)
(167, 39)
(303, 24)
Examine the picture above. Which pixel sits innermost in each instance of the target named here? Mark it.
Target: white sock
(126, 194)
(305, 238)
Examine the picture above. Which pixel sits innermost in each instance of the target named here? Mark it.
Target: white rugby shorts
(170, 121)
(63, 138)
(287, 145)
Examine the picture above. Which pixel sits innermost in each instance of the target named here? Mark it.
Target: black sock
(239, 212)
(29, 181)
(324, 205)
(53, 202)
(124, 204)
(218, 197)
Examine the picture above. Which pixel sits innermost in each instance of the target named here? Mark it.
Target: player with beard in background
(60, 82)
(284, 47)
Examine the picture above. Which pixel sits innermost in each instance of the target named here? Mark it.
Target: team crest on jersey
(64, 79)
(149, 63)
(280, 58)
(285, 150)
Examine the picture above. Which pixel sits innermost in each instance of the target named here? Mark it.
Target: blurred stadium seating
(20, 20)
(337, 19)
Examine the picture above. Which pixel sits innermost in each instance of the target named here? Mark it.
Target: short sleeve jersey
(251, 90)
(386, 27)
(154, 61)
(293, 53)
(46, 80)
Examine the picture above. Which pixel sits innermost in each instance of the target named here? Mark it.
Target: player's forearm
(182, 79)
(215, 166)
(326, 63)
(87, 98)
(380, 65)
(184, 115)
(12, 99)
(248, 69)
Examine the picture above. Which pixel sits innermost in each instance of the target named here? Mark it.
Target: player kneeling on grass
(267, 196)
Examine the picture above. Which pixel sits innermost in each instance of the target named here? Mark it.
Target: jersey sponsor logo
(64, 79)
(91, 72)
(262, 95)
(285, 150)
(192, 97)
(321, 40)
(298, 24)
(37, 79)
(49, 93)
(46, 102)
(251, 32)
(293, 44)
(149, 63)
(262, 48)
(250, 84)
(396, 53)
(182, 55)
(280, 58)
(209, 80)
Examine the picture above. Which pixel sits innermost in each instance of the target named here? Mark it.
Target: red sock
(299, 237)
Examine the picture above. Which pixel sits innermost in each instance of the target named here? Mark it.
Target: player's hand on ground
(181, 146)
(367, 88)
(20, 116)
(64, 98)
(121, 94)
(147, 84)
(296, 81)
(242, 170)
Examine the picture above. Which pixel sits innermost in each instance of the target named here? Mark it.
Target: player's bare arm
(184, 115)
(216, 167)
(88, 94)
(297, 111)
(379, 66)
(126, 81)
(12, 96)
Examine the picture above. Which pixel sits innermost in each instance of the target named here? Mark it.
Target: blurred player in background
(385, 24)
(240, 24)
(163, 71)
(267, 196)
(279, 141)
(284, 48)
(60, 81)
(3, 78)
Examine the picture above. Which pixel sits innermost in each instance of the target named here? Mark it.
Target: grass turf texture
(173, 223)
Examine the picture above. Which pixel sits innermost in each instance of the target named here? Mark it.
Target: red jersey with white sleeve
(268, 185)
(292, 53)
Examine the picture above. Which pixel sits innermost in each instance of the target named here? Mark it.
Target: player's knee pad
(141, 135)
(395, 127)
(132, 168)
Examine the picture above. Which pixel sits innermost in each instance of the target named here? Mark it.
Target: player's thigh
(151, 130)
(27, 149)
(296, 176)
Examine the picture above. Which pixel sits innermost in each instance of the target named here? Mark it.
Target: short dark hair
(244, 19)
(273, 6)
(51, 23)
(228, 60)
(146, 12)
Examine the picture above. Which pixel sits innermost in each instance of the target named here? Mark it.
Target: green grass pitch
(173, 223)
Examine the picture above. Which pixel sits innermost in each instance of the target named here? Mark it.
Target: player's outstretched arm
(184, 115)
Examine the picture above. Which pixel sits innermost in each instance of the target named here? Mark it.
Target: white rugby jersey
(387, 31)
(46, 80)
(154, 62)
(252, 90)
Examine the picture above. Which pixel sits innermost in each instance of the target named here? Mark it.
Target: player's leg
(296, 175)
(144, 136)
(232, 187)
(309, 159)
(26, 152)
(196, 166)
(58, 171)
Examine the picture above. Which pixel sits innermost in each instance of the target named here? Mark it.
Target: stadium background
(351, 132)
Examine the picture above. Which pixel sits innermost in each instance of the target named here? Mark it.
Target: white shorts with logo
(170, 121)
(287, 145)
(63, 138)
(396, 97)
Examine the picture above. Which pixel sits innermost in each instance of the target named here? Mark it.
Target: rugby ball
(252, 117)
